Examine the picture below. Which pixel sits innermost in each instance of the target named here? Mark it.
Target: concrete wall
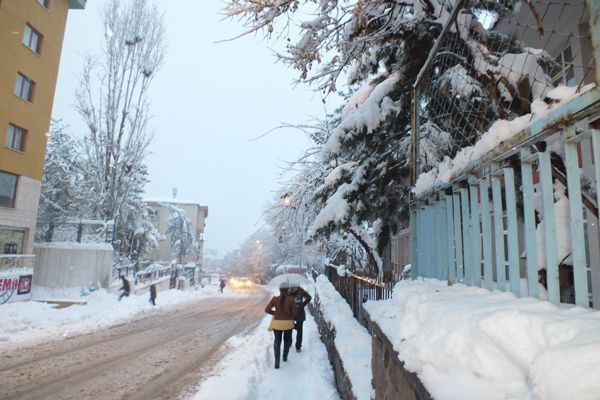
(391, 380)
(327, 333)
(73, 264)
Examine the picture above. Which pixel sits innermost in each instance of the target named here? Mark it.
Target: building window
(24, 87)
(44, 3)
(32, 39)
(8, 189)
(11, 240)
(566, 73)
(15, 138)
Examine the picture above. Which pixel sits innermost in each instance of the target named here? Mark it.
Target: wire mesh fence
(496, 60)
(81, 231)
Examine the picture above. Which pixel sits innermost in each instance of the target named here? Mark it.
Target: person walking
(125, 288)
(282, 308)
(222, 285)
(153, 294)
(301, 299)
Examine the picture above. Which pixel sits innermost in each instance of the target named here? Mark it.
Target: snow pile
(27, 323)
(246, 370)
(470, 343)
(499, 132)
(352, 340)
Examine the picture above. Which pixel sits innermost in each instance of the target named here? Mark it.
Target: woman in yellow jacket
(282, 308)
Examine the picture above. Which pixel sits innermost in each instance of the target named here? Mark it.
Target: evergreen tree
(381, 46)
(64, 192)
(179, 227)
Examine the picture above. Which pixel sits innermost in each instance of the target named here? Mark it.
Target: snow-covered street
(195, 344)
(156, 354)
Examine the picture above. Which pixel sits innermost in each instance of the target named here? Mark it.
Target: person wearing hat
(282, 308)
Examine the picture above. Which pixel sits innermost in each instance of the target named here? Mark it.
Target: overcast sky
(209, 101)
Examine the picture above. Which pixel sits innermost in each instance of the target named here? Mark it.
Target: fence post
(499, 233)
(450, 272)
(486, 228)
(476, 234)
(459, 272)
(466, 234)
(414, 247)
(576, 219)
(512, 236)
(529, 223)
(549, 227)
(79, 232)
(50, 232)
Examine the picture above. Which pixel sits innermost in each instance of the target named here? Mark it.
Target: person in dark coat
(301, 299)
(222, 284)
(125, 288)
(153, 294)
(282, 308)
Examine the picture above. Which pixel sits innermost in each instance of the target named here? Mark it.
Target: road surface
(162, 356)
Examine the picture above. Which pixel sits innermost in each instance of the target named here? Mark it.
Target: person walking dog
(282, 308)
(301, 299)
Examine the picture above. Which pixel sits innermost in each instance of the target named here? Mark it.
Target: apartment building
(31, 37)
(160, 215)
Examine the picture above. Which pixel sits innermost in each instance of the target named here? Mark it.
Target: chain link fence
(495, 60)
(81, 231)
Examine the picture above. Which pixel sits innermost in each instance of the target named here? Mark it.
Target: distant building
(160, 214)
(31, 36)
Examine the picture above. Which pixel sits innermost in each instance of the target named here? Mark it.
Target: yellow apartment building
(31, 36)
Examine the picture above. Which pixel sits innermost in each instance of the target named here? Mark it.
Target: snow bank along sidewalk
(246, 369)
(352, 340)
(470, 343)
(28, 323)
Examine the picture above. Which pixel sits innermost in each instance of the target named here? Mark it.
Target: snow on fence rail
(505, 151)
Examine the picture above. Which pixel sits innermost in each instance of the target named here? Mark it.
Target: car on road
(240, 283)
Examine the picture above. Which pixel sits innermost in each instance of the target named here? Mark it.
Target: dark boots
(277, 351)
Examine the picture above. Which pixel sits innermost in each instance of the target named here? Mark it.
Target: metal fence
(505, 154)
(81, 231)
(356, 290)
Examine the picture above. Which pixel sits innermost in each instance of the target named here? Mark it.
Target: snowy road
(155, 357)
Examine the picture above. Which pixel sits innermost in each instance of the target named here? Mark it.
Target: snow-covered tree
(113, 102)
(137, 237)
(63, 193)
(179, 227)
(379, 47)
(255, 256)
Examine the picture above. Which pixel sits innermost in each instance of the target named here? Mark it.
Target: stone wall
(327, 333)
(391, 380)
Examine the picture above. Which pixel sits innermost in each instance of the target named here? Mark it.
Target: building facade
(31, 36)
(160, 215)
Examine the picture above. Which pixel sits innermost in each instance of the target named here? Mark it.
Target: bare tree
(113, 102)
